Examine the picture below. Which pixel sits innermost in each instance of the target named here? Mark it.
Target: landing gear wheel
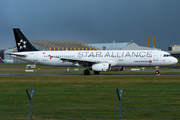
(157, 72)
(96, 72)
(86, 72)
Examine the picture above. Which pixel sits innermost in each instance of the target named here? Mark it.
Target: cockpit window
(167, 55)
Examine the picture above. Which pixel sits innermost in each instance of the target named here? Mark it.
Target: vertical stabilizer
(22, 42)
(1, 60)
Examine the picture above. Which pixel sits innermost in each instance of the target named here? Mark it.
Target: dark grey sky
(92, 21)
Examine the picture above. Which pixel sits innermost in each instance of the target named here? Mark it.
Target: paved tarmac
(88, 75)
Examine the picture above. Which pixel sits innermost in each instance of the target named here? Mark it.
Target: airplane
(93, 60)
(6, 61)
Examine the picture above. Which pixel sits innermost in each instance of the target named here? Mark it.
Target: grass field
(88, 97)
(82, 96)
(81, 82)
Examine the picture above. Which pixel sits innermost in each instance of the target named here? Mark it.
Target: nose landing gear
(157, 71)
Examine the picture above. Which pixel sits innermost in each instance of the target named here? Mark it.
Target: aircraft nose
(175, 60)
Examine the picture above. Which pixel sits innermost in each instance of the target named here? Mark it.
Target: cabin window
(167, 55)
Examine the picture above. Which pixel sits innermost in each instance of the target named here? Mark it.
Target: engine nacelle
(101, 67)
(117, 68)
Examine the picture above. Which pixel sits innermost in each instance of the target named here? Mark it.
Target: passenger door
(155, 56)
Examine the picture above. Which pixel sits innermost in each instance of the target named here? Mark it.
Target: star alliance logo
(22, 44)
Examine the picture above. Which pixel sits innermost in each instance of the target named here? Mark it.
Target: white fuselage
(117, 58)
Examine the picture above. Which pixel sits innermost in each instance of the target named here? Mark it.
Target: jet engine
(117, 68)
(101, 67)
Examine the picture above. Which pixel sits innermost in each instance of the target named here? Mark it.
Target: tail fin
(22, 42)
(1, 60)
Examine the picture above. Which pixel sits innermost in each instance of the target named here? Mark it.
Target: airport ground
(167, 85)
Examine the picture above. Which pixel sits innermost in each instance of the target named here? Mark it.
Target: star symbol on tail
(22, 44)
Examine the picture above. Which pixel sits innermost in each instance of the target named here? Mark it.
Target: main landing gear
(157, 71)
(86, 72)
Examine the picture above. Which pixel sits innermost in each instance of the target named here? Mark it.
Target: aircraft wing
(80, 61)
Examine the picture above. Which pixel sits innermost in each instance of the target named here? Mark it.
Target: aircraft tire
(86, 72)
(157, 71)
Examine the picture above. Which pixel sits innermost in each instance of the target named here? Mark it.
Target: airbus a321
(93, 60)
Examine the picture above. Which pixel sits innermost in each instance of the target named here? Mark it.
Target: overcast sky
(92, 21)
